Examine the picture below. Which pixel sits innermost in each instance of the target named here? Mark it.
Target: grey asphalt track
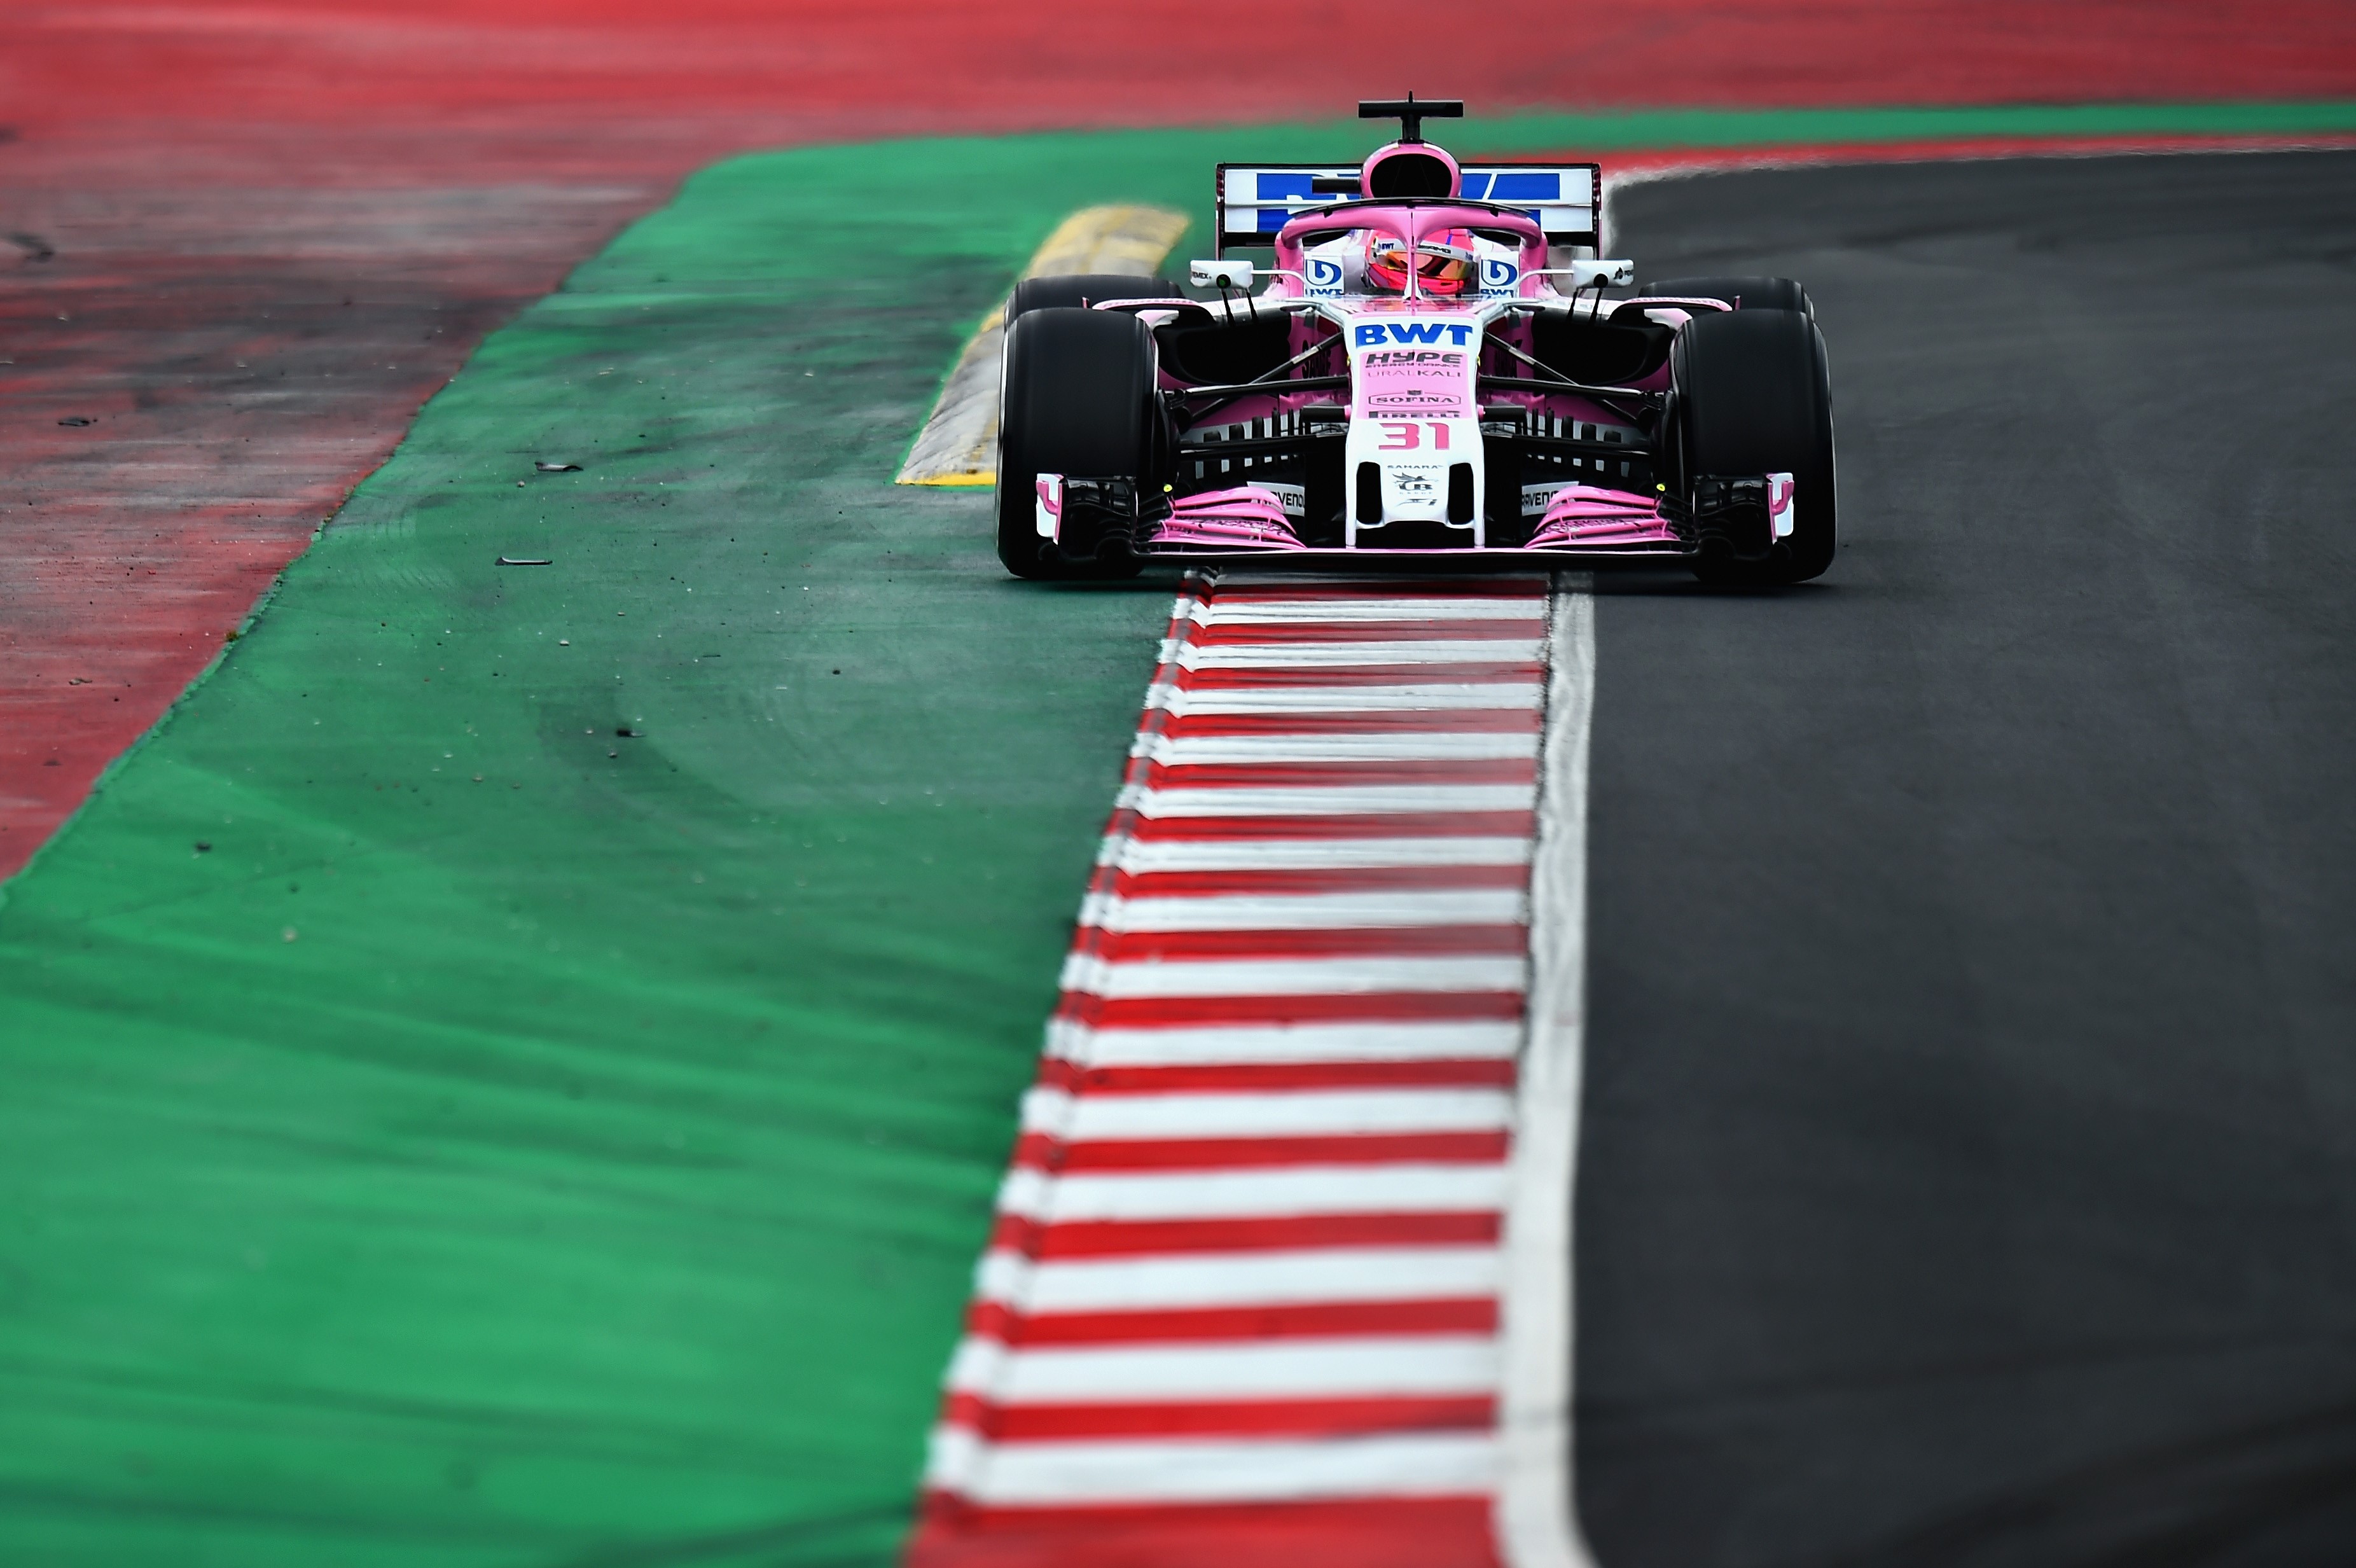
(1969, 1162)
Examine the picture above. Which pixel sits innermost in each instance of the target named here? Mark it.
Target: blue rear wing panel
(1258, 200)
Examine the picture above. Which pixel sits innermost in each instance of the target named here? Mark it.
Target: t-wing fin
(1411, 113)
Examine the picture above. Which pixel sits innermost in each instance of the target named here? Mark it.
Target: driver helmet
(1445, 263)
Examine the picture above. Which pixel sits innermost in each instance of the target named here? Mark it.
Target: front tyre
(1740, 294)
(1752, 392)
(1078, 399)
(1078, 290)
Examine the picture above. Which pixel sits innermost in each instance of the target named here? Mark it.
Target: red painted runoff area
(903, 66)
(246, 243)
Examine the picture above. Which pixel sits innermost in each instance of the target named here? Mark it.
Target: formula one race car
(1432, 366)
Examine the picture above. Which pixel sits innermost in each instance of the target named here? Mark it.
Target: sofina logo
(1499, 276)
(1324, 276)
(1367, 334)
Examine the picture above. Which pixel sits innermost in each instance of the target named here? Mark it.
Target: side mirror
(1591, 275)
(1219, 275)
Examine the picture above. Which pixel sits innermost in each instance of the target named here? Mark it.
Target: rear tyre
(1078, 400)
(1753, 395)
(1080, 290)
(1742, 294)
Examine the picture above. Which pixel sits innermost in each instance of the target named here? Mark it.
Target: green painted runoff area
(514, 1071)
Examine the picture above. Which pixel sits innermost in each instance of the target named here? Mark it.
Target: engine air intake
(1406, 175)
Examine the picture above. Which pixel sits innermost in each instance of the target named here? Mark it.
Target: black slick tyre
(1080, 290)
(1078, 400)
(1742, 294)
(1753, 395)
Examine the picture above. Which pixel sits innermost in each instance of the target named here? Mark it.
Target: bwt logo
(1325, 275)
(1371, 332)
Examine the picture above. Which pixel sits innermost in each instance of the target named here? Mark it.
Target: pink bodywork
(1586, 517)
(1248, 517)
(1580, 518)
(1410, 224)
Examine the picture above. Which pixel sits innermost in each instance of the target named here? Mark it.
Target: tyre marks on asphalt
(1243, 1299)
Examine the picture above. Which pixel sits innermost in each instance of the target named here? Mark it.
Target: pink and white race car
(1435, 361)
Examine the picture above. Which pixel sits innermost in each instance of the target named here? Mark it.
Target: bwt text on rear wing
(1256, 200)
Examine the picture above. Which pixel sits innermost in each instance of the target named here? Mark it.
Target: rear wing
(1255, 200)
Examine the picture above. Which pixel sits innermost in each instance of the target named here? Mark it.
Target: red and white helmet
(1445, 263)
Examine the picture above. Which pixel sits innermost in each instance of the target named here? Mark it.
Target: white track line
(1536, 1506)
(1295, 1113)
(1195, 751)
(1337, 800)
(1252, 1193)
(1361, 1367)
(1239, 1279)
(1417, 699)
(1291, 977)
(1165, 1470)
(1303, 1043)
(1309, 912)
(1312, 655)
(1310, 855)
(1229, 611)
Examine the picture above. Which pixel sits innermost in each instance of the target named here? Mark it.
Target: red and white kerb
(1241, 1304)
